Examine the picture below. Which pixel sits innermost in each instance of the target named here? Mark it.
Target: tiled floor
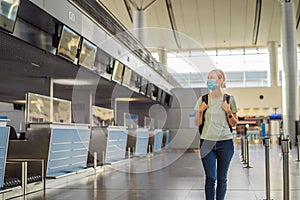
(179, 176)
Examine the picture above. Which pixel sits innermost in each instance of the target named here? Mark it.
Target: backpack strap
(227, 98)
(204, 99)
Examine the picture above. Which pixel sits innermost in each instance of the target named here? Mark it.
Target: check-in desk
(158, 138)
(15, 177)
(64, 147)
(98, 143)
(137, 141)
(141, 144)
(151, 141)
(131, 140)
(155, 140)
(4, 135)
(116, 144)
(166, 139)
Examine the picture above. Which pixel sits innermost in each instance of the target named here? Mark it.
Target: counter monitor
(126, 77)
(87, 54)
(8, 14)
(68, 44)
(118, 71)
(143, 86)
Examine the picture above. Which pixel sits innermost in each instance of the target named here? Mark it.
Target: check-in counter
(64, 147)
(15, 178)
(98, 143)
(158, 138)
(142, 139)
(166, 139)
(4, 136)
(116, 144)
(131, 140)
(137, 141)
(155, 140)
(151, 141)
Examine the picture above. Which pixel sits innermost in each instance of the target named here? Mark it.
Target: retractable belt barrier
(298, 148)
(286, 174)
(246, 153)
(267, 164)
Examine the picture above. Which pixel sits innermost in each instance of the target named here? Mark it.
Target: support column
(139, 25)
(290, 69)
(273, 55)
(51, 94)
(163, 56)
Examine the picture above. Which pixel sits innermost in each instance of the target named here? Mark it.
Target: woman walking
(215, 115)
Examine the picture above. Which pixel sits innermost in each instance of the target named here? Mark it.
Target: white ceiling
(207, 23)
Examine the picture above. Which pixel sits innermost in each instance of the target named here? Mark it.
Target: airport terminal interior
(98, 97)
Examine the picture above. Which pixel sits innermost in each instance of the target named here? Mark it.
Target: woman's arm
(199, 114)
(232, 117)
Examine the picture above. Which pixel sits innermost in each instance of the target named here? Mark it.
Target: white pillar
(290, 69)
(273, 55)
(139, 23)
(163, 56)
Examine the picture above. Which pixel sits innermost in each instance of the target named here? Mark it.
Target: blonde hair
(221, 75)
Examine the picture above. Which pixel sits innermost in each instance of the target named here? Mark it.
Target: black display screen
(168, 99)
(163, 97)
(118, 71)
(127, 77)
(149, 90)
(87, 54)
(8, 14)
(68, 44)
(154, 92)
(143, 86)
(159, 95)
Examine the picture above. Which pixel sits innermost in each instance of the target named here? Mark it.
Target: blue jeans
(216, 157)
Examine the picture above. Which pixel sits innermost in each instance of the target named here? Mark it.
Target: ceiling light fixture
(35, 65)
(74, 82)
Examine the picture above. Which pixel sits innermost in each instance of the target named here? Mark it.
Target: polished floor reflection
(179, 176)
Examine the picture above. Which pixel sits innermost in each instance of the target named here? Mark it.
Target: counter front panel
(158, 137)
(68, 151)
(4, 135)
(116, 144)
(142, 140)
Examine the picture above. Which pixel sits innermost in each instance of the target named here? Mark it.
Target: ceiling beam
(128, 8)
(134, 4)
(256, 21)
(150, 4)
(173, 22)
(298, 16)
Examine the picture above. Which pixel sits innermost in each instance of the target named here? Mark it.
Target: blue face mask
(211, 84)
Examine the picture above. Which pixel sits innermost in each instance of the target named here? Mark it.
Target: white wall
(249, 103)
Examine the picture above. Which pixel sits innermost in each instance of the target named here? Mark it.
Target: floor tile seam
(251, 188)
(121, 189)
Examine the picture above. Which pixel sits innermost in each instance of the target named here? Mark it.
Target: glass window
(243, 67)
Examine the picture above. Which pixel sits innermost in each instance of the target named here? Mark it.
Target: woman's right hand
(202, 107)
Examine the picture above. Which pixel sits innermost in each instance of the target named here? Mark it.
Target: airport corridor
(179, 180)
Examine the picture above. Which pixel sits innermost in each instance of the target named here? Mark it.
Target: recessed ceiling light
(127, 99)
(74, 82)
(35, 65)
(19, 101)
